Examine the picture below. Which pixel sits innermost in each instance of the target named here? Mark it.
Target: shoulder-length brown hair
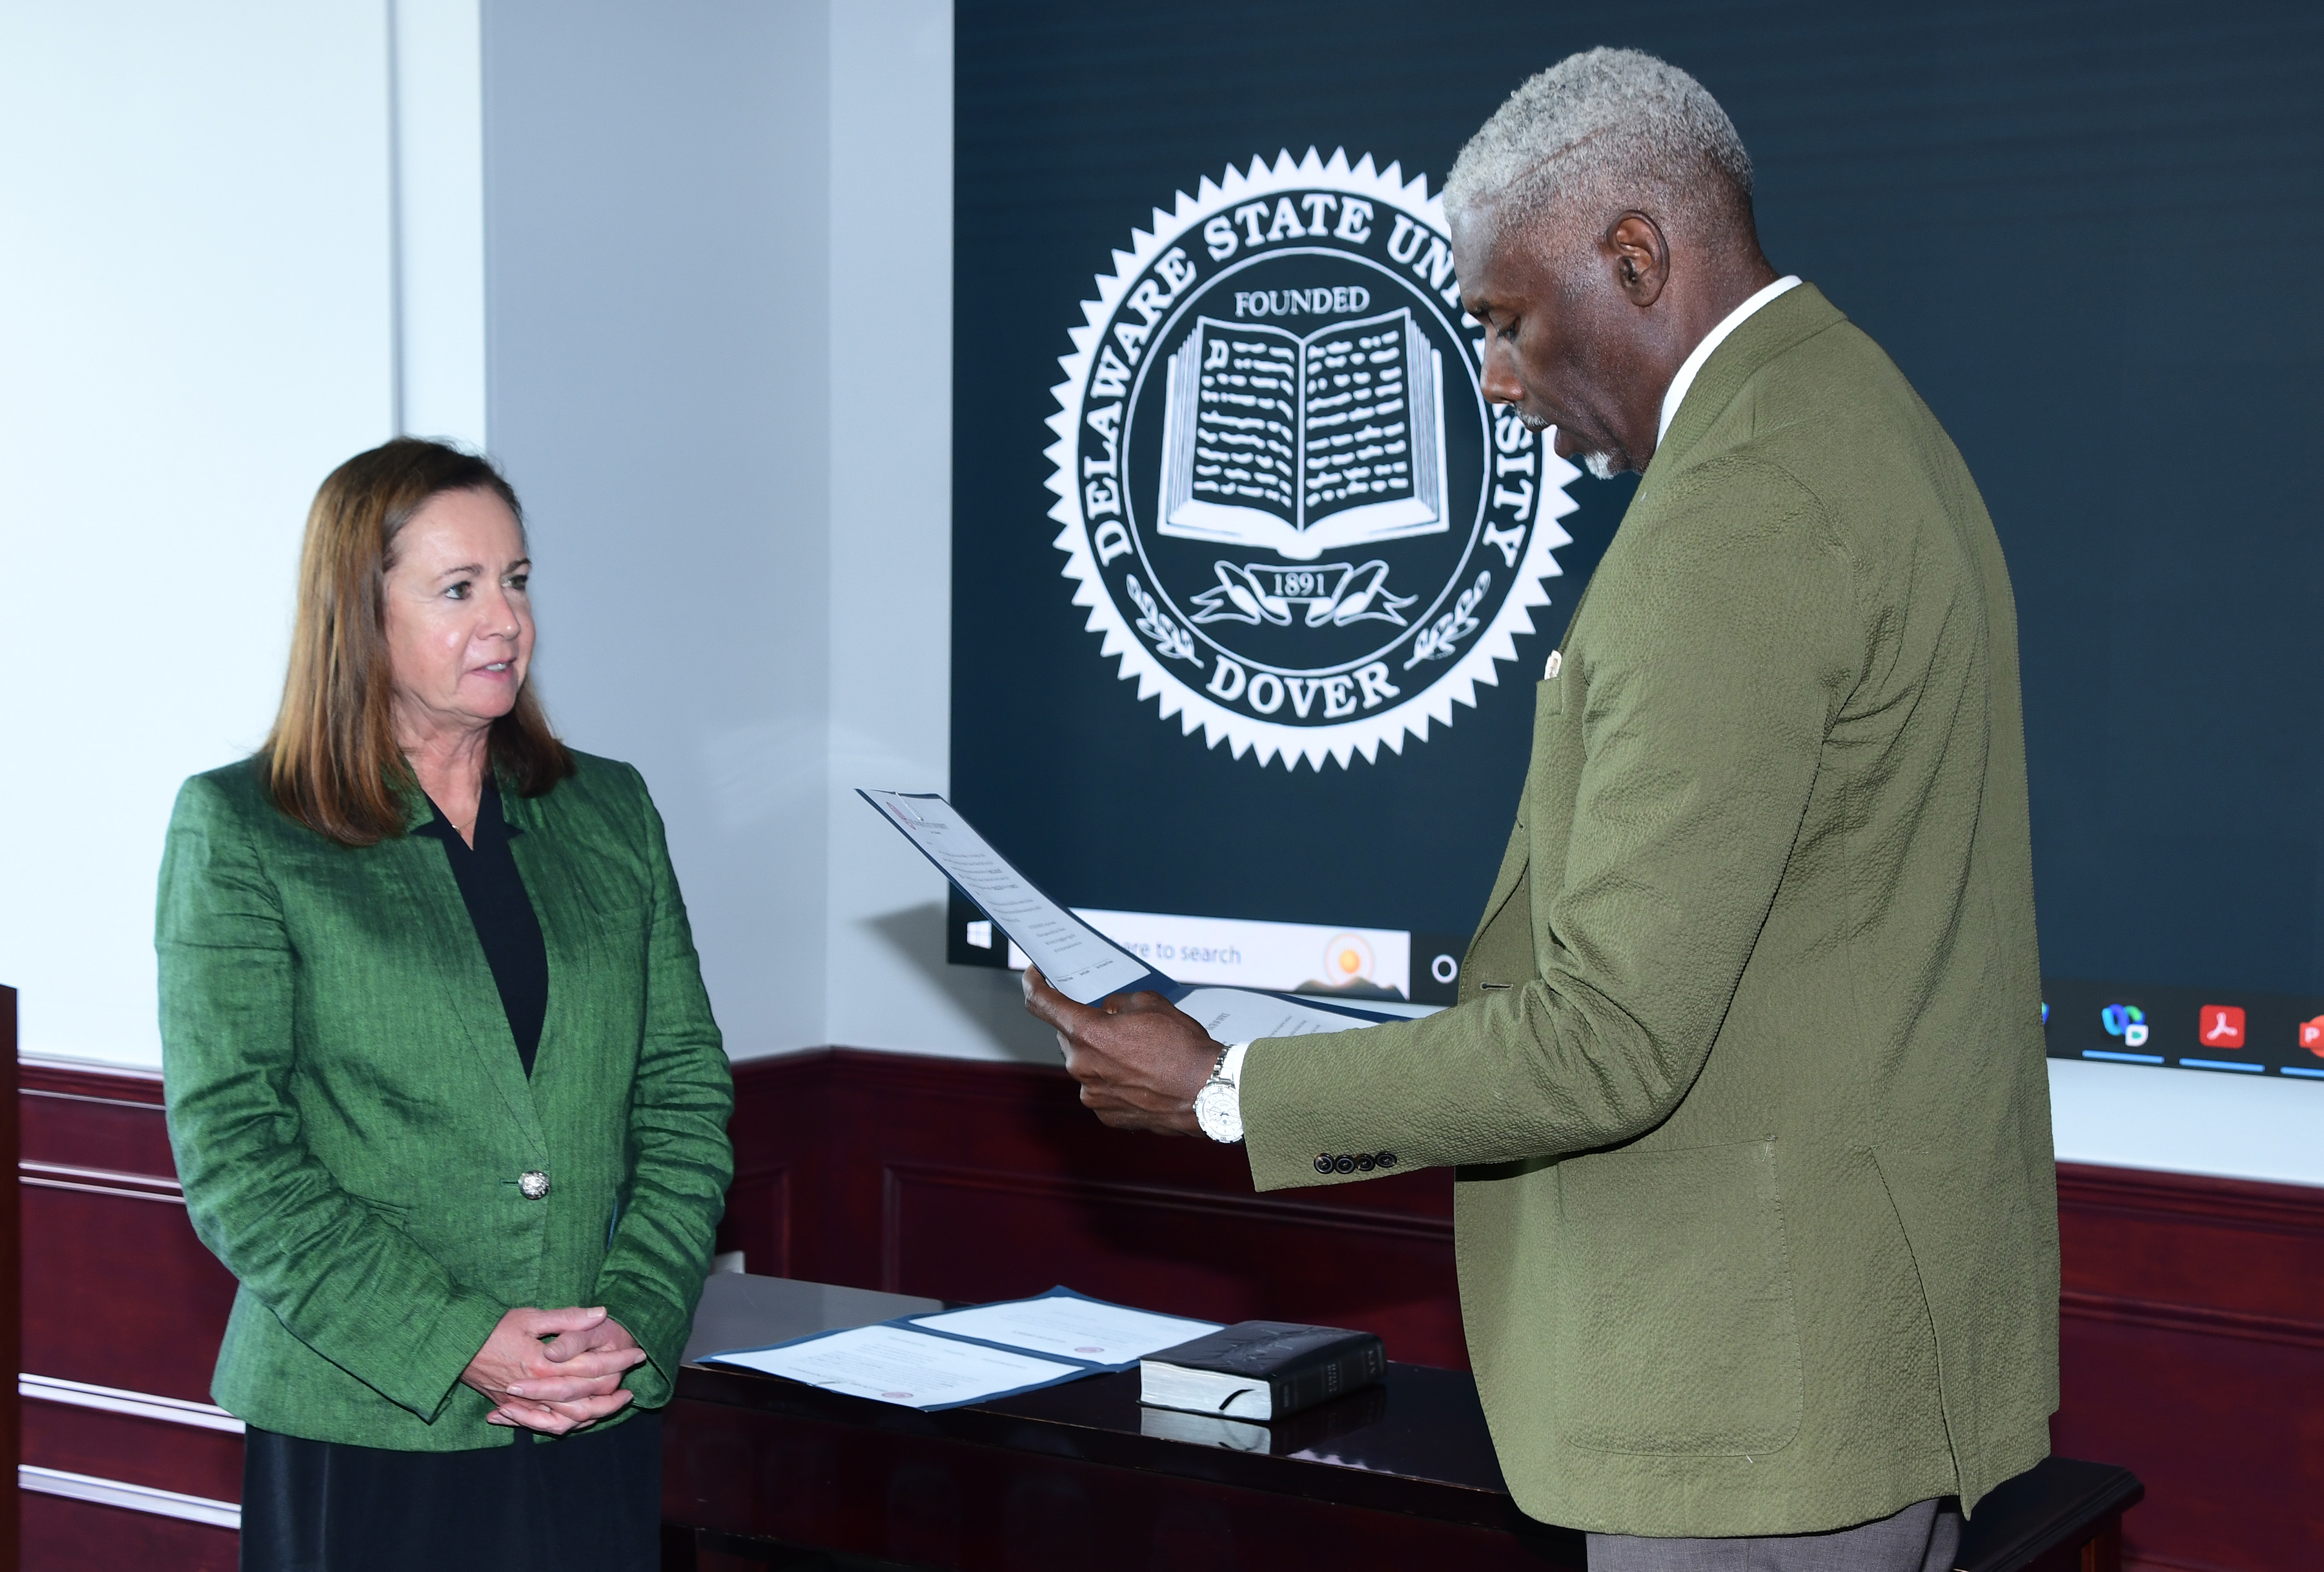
(331, 762)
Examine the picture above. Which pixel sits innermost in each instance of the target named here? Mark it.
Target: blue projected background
(2091, 235)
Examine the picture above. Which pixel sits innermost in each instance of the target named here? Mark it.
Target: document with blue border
(1079, 961)
(1065, 1325)
(949, 1358)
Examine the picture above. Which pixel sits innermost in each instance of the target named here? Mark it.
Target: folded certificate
(1062, 1324)
(1079, 961)
(953, 1357)
(895, 1364)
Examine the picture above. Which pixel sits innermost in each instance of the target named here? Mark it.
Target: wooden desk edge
(1453, 1504)
(2078, 1529)
(2082, 1534)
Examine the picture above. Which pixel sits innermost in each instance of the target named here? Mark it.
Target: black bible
(1261, 1370)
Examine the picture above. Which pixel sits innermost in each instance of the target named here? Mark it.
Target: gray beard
(1600, 465)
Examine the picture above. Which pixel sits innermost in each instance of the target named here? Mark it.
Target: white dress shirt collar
(1676, 394)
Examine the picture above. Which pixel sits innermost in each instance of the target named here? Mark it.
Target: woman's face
(459, 622)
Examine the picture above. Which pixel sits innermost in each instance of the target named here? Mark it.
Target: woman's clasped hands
(554, 1371)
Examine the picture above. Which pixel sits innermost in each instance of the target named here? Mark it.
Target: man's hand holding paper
(1139, 1058)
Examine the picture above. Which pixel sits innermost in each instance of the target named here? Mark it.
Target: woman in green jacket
(444, 1087)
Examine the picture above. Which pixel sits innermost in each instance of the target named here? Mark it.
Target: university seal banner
(1240, 657)
(1293, 518)
(1251, 589)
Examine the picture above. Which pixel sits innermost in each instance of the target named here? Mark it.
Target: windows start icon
(2221, 1026)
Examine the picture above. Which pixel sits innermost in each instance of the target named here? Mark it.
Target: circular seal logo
(1284, 502)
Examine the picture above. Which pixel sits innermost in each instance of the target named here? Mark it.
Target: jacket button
(1322, 1162)
(1344, 1164)
(1364, 1162)
(532, 1184)
(1386, 1160)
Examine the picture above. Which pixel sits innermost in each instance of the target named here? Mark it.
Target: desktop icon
(2220, 1026)
(1347, 959)
(2127, 1022)
(2311, 1036)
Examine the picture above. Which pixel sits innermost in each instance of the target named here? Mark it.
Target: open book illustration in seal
(1303, 445)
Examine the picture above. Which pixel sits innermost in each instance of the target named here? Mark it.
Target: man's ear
(1641, 257)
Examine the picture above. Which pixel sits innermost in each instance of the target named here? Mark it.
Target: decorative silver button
(533, 1183)
(1556, 659)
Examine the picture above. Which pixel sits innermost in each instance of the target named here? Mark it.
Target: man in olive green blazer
(353, 1127)
(1755, 1214)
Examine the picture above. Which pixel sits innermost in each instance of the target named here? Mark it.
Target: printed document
(1069, 1325)
(1080, 962)
(1240, 1015)
(895, 1364)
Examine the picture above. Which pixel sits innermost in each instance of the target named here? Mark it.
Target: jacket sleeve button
(1344, 1164)
(1322, 1162)
(1386, 1160)
(1364, 1162)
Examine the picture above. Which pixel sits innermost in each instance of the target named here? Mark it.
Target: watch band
(1215, 1107)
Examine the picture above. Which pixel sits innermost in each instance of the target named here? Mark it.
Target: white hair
(1616, 126)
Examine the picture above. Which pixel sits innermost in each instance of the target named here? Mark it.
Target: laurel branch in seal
(1461, 628)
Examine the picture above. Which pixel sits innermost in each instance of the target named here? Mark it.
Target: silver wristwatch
(1218, 1107)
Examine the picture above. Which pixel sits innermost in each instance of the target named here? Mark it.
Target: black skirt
(589, 1502)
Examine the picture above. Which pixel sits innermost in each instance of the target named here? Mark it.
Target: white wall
(247, 242)
(195, 326)
(718, 236)
(687, 267)
(437, 108)
(656, 235)
(2188, 1120)
(890, 591)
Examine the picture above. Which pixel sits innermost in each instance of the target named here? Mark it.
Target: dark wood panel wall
(12, 1296)
(974, 1180)
(2193, 1329)
(2193, 1334)
(123, 1308)
(2193, 1353)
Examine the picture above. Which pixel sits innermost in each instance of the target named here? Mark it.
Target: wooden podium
(1076, 1477)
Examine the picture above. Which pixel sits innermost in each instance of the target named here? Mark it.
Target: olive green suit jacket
(1755, 1210)
(350, 1117)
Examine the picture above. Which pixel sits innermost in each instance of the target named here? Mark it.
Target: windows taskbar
(2234, 1031)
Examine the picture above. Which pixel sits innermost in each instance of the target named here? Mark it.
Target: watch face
(1211, 1110)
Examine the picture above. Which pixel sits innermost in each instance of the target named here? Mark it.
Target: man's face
(1556, 339)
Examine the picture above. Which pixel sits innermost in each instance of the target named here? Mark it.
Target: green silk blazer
(1755, 1212)
(350, 1117)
